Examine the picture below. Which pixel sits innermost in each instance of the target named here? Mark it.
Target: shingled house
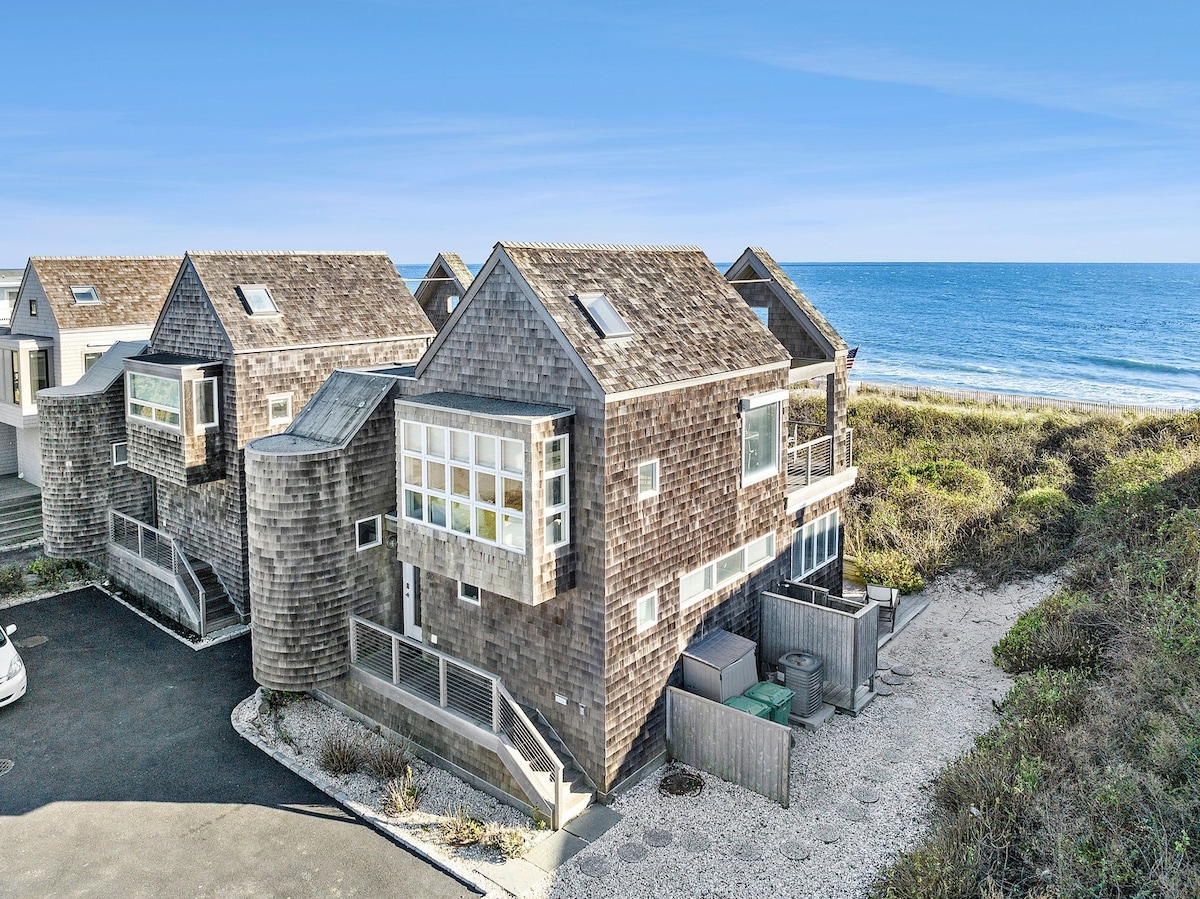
(586, 471)
(442, 288)
(241, 344)
(67, 312)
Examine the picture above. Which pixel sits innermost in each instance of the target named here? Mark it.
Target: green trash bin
(775, 697)
(749, 706)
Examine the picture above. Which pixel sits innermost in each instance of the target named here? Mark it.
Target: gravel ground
(857, 784)
(303, 724)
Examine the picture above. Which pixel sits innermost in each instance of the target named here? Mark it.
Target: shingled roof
(686, 320)
(132, 289)
(322, 298)
(780, 283)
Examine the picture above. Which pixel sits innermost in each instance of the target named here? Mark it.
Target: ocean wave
(1136, 365)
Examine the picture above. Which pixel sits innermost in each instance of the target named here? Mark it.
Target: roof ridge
(287, 253)
(608, 247)
(118, 257)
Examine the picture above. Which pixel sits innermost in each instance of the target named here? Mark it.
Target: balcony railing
(472, 693)
(810, 461)
(162, 551)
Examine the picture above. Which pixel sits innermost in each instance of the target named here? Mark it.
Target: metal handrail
(814, 459)
(161, 550)
(502, 714)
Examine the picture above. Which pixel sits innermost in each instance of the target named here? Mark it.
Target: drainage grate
(6, 765)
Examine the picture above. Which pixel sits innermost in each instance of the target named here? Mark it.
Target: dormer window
(85, 296)
(603, 315)
(257, 299)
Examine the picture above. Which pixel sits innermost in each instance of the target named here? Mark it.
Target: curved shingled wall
(79, 481)
(299, 525)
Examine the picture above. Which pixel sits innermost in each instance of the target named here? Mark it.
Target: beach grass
(1089, 784)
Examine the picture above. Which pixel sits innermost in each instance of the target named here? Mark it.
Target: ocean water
(1121, 333)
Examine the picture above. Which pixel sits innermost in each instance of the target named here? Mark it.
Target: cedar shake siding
(447, 277)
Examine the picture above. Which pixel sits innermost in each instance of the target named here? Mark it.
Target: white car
(12, 669)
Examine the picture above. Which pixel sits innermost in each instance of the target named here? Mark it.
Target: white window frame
(827, 527)
(418, 458)
(644, 623)
(84, 356)
(652, 465)
(777, 398)
(378, 541)
(119, 463)
(153, 407)
(764, 545)
(244, 291)
(562, 508)
(93, 296)
(271, 400)
(196, 387)
(476, 600)
(452, 302)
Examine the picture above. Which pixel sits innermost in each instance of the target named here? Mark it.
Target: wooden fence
(1007, 399)
(734, 745)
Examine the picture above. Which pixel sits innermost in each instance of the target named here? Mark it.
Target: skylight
(600, 310)
(85, 296)
(257, 299)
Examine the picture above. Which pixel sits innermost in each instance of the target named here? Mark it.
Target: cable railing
(161, 550)
(814, 459)
(471, 693)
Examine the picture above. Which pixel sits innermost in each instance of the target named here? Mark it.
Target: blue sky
(823, 131)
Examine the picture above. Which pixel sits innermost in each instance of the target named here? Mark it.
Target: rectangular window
(152, 398)
(452, 302)
(604, 315)
(760, 438)
(815, 545)
(120, 454)
(204, 392)
(15, 376)
(455, 480)
(89, 359)
(647, 611)
(33, 306)
(41, 369)
(279, 409)
(647, 474)
(695, 585)
(469, 593)
(557, 479)
(257, 299)
(368, 532)
(85, 296)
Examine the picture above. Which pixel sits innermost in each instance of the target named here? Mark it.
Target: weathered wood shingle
(132, 289)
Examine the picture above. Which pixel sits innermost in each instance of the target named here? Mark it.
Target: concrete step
(11, 535)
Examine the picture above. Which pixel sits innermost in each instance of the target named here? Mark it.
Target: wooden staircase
(21, 520)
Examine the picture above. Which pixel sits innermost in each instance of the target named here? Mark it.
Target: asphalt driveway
(128, 779)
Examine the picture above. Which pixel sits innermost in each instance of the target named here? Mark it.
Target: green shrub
(507, 841)
(1062, 631)
(401, 795)
(462, 829)
(12, 580)
(889, 568)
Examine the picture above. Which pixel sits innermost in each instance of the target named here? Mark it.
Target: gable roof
(322, 298)
(686, 321)
(132, 289)
(446, 265)
(764, 266)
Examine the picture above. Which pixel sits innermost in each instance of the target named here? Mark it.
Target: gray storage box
(720, 666)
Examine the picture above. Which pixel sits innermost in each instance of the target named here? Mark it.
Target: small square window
(120, 454)
(257, 299)
(85, 296)
(369, 532)
(648, 479)
(469, 593)
(647, 611)
(279, 409)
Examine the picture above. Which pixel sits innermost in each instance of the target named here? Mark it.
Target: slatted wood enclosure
(751, 752)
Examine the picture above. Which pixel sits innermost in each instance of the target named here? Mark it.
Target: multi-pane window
(470, 484)
(760, 439)
(815, 545)
(41, 369)
(647, 475)
(647, 611)
(558, 516)
(205, 395)
(153, 398)
(695, 585)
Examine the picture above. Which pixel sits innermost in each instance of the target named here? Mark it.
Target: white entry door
(412, 601)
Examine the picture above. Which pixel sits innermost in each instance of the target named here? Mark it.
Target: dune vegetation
(1089, 783)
